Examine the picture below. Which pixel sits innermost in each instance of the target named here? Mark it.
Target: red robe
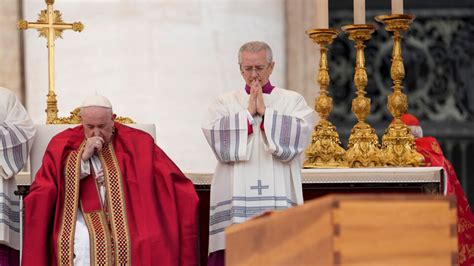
(151, 218)
(430, 149)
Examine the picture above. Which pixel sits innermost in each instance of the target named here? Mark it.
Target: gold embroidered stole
(71, 196)
(108, 232)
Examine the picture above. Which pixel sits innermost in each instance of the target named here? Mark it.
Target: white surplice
(81, 235)
(257, 172)
(16, 137)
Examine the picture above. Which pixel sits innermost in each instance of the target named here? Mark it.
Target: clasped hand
(256, 104)
(92, 144)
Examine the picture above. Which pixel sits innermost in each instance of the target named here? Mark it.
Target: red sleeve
(262, 128)
(465, 216)
(430, 149)
(40, 206)
(186, 204)
(44, 203)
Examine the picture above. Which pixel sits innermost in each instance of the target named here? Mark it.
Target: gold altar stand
(359, 229)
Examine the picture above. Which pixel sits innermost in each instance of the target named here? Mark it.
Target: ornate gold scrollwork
(363, 149)
(398, 144)
(325, 150)
(75, 118)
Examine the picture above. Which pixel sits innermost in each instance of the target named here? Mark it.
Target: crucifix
(50, 25)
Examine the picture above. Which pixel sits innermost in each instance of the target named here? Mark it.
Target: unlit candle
(359, 11)
(397, 7)
(322, 19)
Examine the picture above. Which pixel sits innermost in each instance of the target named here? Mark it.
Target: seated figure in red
(430, 149)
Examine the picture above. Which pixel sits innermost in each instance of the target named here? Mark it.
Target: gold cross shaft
(50, 25)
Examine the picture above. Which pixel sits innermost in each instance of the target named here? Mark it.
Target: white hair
(417, 131)
(255, 47)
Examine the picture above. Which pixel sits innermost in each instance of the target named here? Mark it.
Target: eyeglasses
(257, 69)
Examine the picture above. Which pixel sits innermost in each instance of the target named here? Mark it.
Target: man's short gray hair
(255, 47)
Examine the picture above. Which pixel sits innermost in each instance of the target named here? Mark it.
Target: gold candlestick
(325, 150)
(363, 149)
(398, 144)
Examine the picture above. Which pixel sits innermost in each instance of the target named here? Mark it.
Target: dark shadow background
(438, 53)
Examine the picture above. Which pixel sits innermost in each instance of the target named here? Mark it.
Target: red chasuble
(150, 214)
(429, 147)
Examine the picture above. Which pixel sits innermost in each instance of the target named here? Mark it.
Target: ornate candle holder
(325, 150)
(398, 144)
(363, 149)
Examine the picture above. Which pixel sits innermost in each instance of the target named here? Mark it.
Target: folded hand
(92, 144)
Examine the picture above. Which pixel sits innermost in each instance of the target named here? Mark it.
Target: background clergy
(16, 137)
(433, 155)
(257, 134)
(107, 195)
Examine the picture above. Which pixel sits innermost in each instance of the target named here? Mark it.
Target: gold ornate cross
(51, 26)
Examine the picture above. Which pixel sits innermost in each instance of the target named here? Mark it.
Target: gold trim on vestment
(116, 206)
(65, 243)
(100, 242)
(109, 238)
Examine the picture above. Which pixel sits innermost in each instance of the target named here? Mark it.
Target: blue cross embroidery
(259, 187)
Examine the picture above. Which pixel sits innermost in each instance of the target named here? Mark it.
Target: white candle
(397, 7)
(359, 11)
(322, 19)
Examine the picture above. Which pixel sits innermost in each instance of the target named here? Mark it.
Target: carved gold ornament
(398, 144)
(51, 26)
(325, 150)
(363, 149)
(75, 118)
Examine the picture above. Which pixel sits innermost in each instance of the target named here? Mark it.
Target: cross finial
(51, 26)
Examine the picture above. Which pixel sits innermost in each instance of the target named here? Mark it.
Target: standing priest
(257, 134)
(16, 137)
(107, 195)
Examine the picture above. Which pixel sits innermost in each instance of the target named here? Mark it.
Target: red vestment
(430, 149)
(151, 218)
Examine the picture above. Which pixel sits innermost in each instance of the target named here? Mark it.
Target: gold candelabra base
(398, 143)
(398, 146)
(363, 149)
(325, 150)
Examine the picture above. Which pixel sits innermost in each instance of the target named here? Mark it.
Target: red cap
(410, 120)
